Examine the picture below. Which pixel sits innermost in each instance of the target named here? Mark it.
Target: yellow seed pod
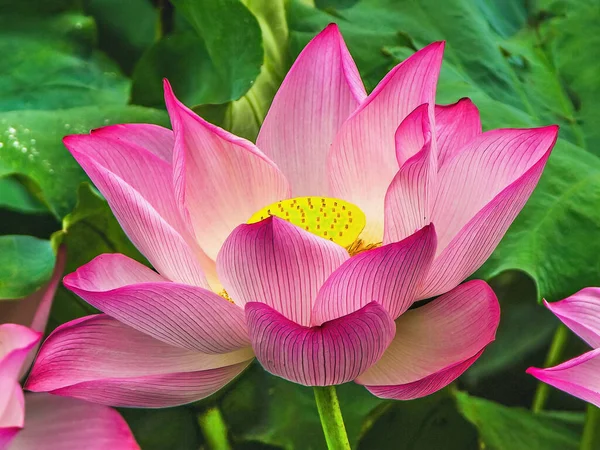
(329, 218)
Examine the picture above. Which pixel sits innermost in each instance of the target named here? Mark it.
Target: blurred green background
(68, 66)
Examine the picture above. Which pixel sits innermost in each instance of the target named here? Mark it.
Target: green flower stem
(331, 418)
(214, 429)
(591, 431)
(557, 347)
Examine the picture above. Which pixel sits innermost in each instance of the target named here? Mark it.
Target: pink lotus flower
(34, 421)
(579, 376)
(318, 300)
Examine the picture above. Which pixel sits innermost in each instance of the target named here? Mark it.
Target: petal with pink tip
(186, 316)
(362, 160)
(424, 386)
(154, 138)
(579, 376)
(12, 412)
(413, 134)
(99, 359)
(158, 240)
(220, 179)
(279, 264)
(389, 275)
(456, 125)
(319, 92)
(581, 313)
(73, 425)
(440, 335)
(16, 341)
(333, 353)
(479, 194)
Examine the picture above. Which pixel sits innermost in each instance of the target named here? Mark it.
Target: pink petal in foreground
(319, 92)
(58, 423)
(279, 264)
(389, 275)
(581, 313)
(434, 342)
(456, 125)
(12, 412)
(186, 316)
(333, 353)
(579, 376)
(99, 359)
(362, 160)
(154, 138)
(220, 179)
(16, 341)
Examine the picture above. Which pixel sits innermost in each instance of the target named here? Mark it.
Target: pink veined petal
(438, 336)
(12, 413)
(579, 376)
(279, 264)
(220, 179)
(333, 353)
(581, 313)
(474, 206)
(408, 200)
(455, 125)
(99, 359)
(362, 160)
(319, 92)
(154, 138)
(159, 241)
(389, 275)
(58, 423)
(425, 386)
(186, 316)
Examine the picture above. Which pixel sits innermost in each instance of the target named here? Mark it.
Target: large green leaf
(31, 145)
(503, 428)
(26, 264)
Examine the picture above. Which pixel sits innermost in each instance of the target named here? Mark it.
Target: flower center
(329, 218)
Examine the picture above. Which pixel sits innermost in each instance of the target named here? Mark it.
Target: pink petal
(409, 198)
(153, 235)
(581, 313)
(186, 316)
(480, 192)
(320, 91)
(362, 160)
(58, 423)
(389, 275)
(279, 264)
(424, 386)
(99, 359)
(16, 342)
(439, 336)
(220, 179)
(154, 138)
(333, 353)
(12, 412)
(456, 125)
(579, 376)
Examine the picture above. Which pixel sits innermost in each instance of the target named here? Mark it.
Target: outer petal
(220, 179)
(156, 238)
(408, 200)
(436, 339)
(320, 91)
(333, 353)
(480, 192)
(581, 313)
(12, 413)
(58, 423)
(579, 376)
(455, 125)
(279, 264)
(362, 161)
(154, 138)
(389, 275)
(99, 359)
(181, 315)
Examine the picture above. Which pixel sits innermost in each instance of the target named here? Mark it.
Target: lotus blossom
(305, 250)
(579, 376)
(34, 421)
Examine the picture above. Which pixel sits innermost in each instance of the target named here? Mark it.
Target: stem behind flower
(331, 418)
(214, 429)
